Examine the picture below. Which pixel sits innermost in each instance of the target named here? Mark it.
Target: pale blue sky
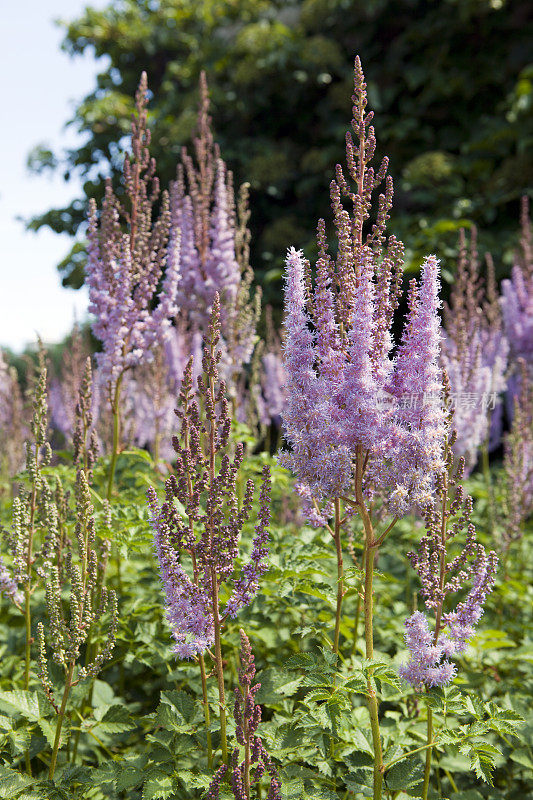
(40, 86)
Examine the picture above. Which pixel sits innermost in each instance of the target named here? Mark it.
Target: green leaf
(357, 685)
(334, 707)
(183, 702)
(130, 773)
(522, 756)
(505, 718)
(289, 736)
(48, 727)
(292, 788)
(405, 774)
(158, 786)
(474, 705)
(482, 767)
(12, 782)
(301, 661)
(116, 719)
(195, 780)
(23, 702)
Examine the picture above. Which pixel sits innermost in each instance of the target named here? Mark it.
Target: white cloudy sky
(40, 85)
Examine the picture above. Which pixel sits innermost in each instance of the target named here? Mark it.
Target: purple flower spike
(430, 651)
(347, 403)
(201, 517)
(124, 269)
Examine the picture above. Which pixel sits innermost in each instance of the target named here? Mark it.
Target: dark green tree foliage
(449, 82)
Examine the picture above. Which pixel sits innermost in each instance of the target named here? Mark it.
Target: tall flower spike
(517, 297)
(430, 651)
(125, 269)
(517, 503)
(417, 386)
(205, 483)
(71, 621)
(215, 248)
(12, 421)
(85, 440)
(345, 399)
(474, 353)
(256, 761)
(64, 388)
(316, 456)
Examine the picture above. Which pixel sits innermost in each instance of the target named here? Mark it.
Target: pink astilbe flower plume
(13, 426)
(417, 384)
(208, 529)
(440, 576)
(517, 296)
(315, 457)
(474, 353)
(347, 400)
(212, 223)
(128, 260)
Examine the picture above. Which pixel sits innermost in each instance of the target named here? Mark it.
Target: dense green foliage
(449, 82)
(143, 735)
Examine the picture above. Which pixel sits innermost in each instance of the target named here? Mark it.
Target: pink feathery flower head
(202, 516)
(317, 457)
(417, 386)
(345, 395)
(474, 353)
(125, 268)
(430, 652)
(517, 307)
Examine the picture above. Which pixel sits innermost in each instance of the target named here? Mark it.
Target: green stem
(368, 605)
(356, 620)
(427, 769)
(450, 778)
(115, 407)
(27, 589)
(219, 671)
(60, 718)
(206, 713)
(488, 481)
(27, 658)
(403, 756)
(372, 699)
(27, 620)
(340, 574)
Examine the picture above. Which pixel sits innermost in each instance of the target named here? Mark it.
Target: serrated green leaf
(292, 788)
(316, 695)
(116, 719)
(357, 685)
(360, 780)
(158, 786)
(474, 705)
(48, 727)
(405, 774)
(195, 780)
(129, 778)
(506, 715)
(23, 702)
(12, 783)
(301, 661)
(334, 707)
(483, 767)
(289, 735)
(183, 702)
